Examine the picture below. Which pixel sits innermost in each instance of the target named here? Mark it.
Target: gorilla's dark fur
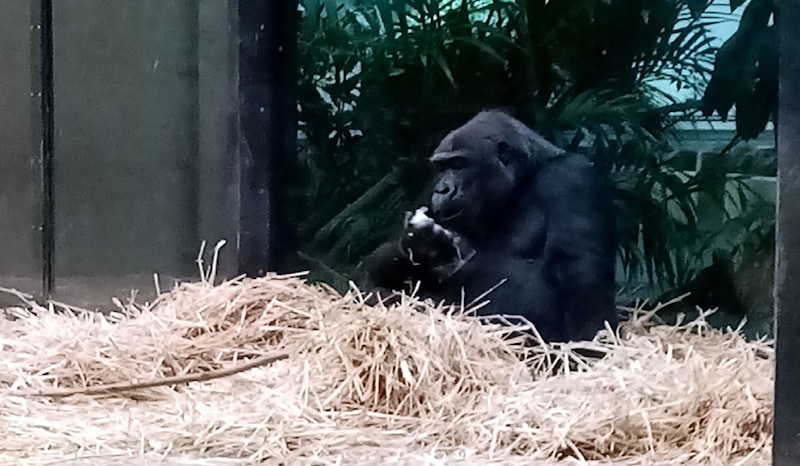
(529, 213)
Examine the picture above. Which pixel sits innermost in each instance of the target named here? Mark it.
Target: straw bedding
(298, 374)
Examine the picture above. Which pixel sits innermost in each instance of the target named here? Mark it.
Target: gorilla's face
(472, 185)
(479, 167)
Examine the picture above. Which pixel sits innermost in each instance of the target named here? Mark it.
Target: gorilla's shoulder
(572, 159)
(571, 175)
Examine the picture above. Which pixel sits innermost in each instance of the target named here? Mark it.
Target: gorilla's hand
(430, 245)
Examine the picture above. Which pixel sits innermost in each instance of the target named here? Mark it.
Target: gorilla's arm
(389, 267)
(580, 248)
(426, 255)
(388, 270)
(513, 285)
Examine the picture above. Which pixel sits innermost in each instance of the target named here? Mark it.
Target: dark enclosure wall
(18, 204)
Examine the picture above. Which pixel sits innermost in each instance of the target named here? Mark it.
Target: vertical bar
(786, 440)
(48, 99)
(268, 122)
(42, 130)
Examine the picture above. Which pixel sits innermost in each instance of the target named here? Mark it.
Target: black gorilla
(511, 209)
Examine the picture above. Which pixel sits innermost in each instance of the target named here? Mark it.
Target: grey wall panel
(126, 124)
(19, 256)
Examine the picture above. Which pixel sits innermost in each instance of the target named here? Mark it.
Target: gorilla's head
(479, 167)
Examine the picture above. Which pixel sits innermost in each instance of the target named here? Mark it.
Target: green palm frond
(383, 80)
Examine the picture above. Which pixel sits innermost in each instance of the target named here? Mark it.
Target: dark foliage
(382, 81)
(746, 72)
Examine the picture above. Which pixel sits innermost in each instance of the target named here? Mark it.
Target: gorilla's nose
(444, 188)
(439, 203)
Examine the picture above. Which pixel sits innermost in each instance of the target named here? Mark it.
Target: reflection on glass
(627, 85)
(145, 168)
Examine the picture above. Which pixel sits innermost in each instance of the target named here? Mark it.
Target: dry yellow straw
(192, 377)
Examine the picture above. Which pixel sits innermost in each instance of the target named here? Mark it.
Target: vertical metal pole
(786, 440)
(268, 122)
(47, 143)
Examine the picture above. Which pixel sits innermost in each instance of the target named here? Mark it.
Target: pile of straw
(276, 371)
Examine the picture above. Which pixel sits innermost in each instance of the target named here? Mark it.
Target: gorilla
(515, 220)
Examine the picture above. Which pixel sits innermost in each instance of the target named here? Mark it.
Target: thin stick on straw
(180, 379)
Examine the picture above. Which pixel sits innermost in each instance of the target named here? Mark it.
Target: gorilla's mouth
(453, 216)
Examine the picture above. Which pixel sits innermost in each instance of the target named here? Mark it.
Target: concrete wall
(19, 255)
(146, 112)
(126, 99)
(218, 69)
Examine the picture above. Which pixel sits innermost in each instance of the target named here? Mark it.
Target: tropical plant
(746, 71)
(381, 81)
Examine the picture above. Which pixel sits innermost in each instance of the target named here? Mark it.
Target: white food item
(420, 218)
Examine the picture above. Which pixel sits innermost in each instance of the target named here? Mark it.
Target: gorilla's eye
(457, 163)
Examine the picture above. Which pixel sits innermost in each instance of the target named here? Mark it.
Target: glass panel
(20, 250)
(632, 88)
(131, 150)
